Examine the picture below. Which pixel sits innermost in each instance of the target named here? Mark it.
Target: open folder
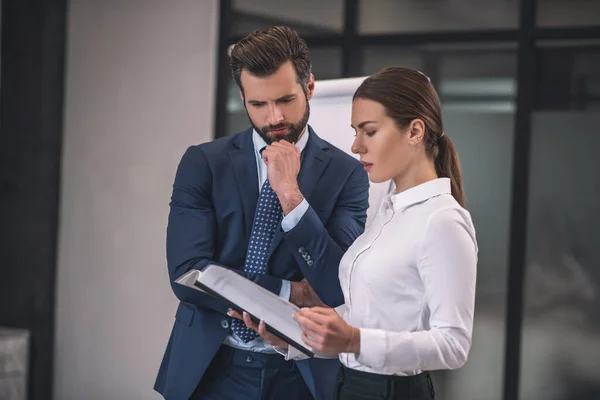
(241, 294)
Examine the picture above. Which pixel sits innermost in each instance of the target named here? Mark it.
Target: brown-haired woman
(409, 280)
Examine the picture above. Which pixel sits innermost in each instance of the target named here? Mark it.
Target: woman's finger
(235, 315)
(264, 333)
(322, 310)
(309, 319)
(310, 340)
(249, 323)
(269, 337)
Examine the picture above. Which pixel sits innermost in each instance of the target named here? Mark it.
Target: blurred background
(100, 98)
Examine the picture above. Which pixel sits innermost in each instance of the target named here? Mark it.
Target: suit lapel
(314, 162)
(244, 163)
(313, 165)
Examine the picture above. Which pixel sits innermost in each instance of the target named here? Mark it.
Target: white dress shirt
(288, 222)
(409, 284)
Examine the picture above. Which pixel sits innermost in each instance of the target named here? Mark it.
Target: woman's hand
(260, 328)
(326, 331)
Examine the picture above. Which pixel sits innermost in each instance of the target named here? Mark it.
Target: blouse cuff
(373, 343)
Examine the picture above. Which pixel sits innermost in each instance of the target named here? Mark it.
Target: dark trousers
(244, 375)
(358, 385)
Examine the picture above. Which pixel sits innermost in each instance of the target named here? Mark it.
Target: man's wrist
(290, 199)
(299, 293)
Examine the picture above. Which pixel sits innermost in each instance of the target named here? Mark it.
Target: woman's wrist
(354, 343)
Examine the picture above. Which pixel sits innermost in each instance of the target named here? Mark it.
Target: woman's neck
(419, 174)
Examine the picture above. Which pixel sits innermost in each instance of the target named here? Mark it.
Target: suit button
(249, 359)
(225, 324)
(310, 263)
(301, 250)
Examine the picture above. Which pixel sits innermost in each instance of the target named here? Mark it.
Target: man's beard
(294, 129)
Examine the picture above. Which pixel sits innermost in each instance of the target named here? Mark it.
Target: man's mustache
(278, 127)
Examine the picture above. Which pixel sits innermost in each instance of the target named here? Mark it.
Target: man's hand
(303, 295)
(283, 162)
(261, 329)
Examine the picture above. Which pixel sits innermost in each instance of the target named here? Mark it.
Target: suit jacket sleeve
(191, 227)
(319, 248)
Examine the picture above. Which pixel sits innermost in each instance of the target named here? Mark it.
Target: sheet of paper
(244, 295)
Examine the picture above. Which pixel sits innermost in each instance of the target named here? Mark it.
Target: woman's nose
(357, 147)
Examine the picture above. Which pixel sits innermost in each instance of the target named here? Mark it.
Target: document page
(244, 295)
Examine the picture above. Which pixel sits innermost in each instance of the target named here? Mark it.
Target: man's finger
(281, 143)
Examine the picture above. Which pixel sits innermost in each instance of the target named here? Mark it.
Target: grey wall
(139, 89)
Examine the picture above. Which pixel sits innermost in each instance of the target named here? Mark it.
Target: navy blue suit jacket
(210, 220)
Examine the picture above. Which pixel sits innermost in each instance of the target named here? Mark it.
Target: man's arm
(192, 229)
(319, 248)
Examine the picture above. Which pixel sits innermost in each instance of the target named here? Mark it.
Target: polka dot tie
(266, 220)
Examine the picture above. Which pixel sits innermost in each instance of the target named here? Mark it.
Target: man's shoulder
(219, 146)
(339, 156)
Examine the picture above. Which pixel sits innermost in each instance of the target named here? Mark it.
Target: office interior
(99, 100)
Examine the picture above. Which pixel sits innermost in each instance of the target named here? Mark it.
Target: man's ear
(242, 96)
(310, 86)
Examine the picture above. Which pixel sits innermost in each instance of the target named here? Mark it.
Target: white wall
(139, 89)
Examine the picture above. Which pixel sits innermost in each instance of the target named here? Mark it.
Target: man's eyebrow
(286, 97)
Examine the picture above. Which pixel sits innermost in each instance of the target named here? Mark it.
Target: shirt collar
(419, 193)
(259, 142)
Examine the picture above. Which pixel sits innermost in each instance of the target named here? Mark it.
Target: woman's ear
(416, 131)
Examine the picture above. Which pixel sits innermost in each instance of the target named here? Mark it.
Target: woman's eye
(371, 133)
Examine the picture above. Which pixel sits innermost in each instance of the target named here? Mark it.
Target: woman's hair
(262, 53)
(407, 94)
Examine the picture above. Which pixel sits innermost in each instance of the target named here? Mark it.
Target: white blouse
(409, 284)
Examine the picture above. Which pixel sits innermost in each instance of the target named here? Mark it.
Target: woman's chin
(376, 179)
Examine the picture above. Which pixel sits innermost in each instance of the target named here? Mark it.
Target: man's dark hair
(262, 53)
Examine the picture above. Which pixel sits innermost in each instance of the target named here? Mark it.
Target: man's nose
(275, 115)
